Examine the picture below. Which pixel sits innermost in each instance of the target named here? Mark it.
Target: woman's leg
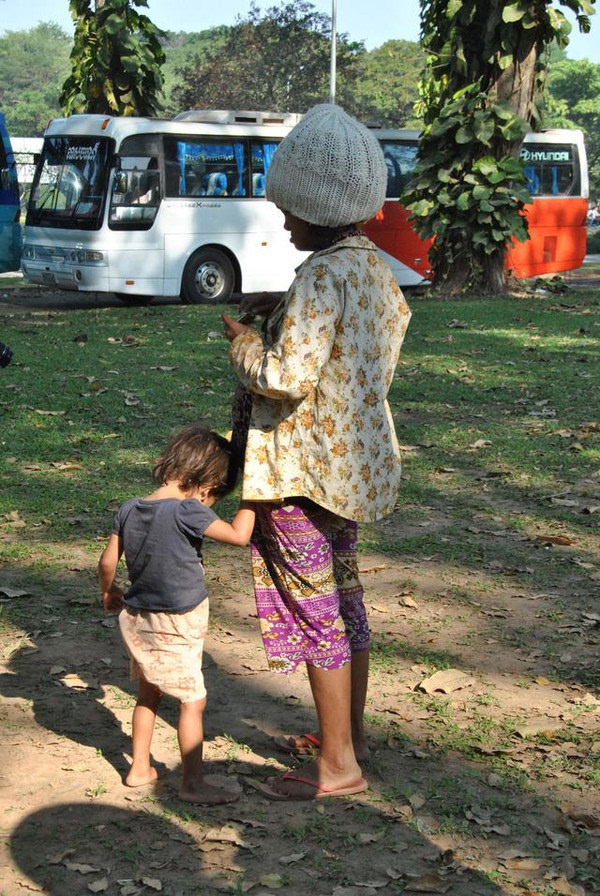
(331, 690)
(190, 735)
(344, 545)
(359, 683)
(299, 608)
(144, 716)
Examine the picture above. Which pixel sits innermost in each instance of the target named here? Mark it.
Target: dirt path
(509, 816)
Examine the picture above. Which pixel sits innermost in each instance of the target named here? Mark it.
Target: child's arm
(238, 531)
(112, 596)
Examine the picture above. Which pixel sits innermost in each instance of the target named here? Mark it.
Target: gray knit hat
(329, 170)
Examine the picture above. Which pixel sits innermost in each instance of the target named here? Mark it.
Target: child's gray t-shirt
(162, 543)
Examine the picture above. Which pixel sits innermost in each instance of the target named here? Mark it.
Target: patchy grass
(489, 565)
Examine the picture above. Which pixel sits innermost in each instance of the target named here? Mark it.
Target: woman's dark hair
(196, 458)
(324, 237)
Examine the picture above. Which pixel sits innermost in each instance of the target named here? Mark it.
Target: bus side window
(533, 179)
(215, 184)
(258, 185)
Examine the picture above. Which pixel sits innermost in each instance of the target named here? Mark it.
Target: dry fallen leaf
(13, 592)
(98, 886)
(446, 681)
(428, 883)
(366, 837)
(272, 881)
(81, 868)
(480, 443)
(545, 728)
(565, 540)
(589, 820)
(292, 858)
(365, 570)
(72, 680)
(225, 834)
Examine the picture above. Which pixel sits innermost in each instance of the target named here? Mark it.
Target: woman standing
(321, 452)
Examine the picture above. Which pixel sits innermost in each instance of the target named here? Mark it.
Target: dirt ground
(477, 782)
(433, 821)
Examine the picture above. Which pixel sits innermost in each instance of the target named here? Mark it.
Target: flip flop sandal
(320, 791)
(302, 745)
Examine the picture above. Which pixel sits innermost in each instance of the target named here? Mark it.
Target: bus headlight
(28, 252)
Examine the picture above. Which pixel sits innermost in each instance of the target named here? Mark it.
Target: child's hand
(112, 599)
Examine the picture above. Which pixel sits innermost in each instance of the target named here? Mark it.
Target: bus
(10, 210)
(557, 176)
(147, 207)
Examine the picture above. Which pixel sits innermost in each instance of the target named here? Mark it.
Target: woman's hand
(233, 327)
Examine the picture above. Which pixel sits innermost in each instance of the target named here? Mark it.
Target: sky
(372, 21)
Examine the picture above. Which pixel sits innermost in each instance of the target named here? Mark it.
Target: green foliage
(485, 68)
(462, 193)
(574, 102)
(387, 87)
(33, 65)
(276, 59)
(116, 60)
(593, 241)
(186, 50)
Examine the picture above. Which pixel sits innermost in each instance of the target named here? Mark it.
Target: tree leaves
(115, 61)
(484, 71)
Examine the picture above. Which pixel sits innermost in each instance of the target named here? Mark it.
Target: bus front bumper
(66, 276)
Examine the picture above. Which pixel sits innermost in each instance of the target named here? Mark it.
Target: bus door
(10, 213)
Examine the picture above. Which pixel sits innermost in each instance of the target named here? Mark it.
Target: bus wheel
(208, 277)
(133, 301)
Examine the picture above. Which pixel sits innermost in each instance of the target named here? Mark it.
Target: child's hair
(197, 457)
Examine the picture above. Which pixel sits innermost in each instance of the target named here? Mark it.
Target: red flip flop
(302, 745)
(320, 791)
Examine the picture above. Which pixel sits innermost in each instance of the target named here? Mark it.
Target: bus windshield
(70, 183)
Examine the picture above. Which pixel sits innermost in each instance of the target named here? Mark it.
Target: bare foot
(206, 794)
(142, 779)
(308, 784)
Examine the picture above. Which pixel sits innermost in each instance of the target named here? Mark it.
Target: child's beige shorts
(166, 649)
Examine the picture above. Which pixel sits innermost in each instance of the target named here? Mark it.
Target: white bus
(146, 207)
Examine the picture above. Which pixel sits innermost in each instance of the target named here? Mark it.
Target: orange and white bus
(147, 207)
(557, 176)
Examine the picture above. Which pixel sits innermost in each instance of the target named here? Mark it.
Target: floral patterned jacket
(321, 427)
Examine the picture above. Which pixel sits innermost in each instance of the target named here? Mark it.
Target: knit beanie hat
(329, 170)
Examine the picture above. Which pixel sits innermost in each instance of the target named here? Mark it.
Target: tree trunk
(494, 274)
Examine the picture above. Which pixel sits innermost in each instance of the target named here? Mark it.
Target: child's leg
(144, 717)
(190, 734)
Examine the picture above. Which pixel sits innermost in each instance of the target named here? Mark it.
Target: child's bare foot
(142, 778)
(206, 794)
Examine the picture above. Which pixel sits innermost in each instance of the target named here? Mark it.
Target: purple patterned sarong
(308, 595)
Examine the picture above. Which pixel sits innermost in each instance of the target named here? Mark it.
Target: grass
(497, 408)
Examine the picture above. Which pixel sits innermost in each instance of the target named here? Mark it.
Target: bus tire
(208, 278)
(133, 301)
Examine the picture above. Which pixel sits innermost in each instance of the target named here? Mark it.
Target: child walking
(164, 614)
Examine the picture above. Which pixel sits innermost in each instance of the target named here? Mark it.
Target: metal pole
(333, 50)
